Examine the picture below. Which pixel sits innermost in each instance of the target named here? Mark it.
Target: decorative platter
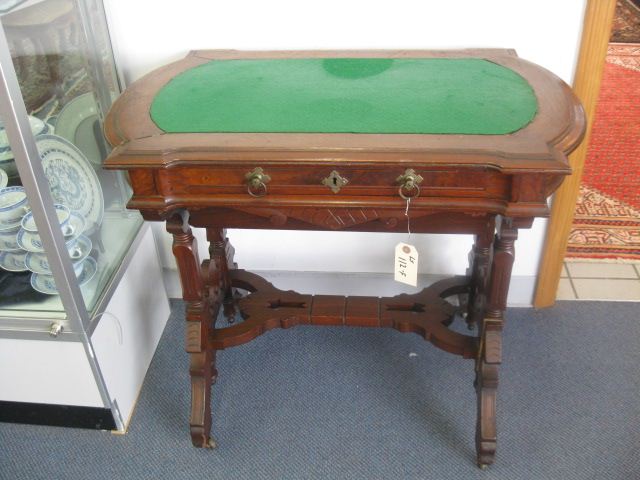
(8, 162)
(72, 180)
(76, 123)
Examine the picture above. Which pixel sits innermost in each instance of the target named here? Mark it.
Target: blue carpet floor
(343, 403)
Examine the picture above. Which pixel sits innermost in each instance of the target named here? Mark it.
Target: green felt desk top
(346, 95)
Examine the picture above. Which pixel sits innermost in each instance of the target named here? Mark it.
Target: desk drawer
(308, 180)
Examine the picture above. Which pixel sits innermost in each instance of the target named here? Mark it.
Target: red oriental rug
(607, 221)
(604, 228)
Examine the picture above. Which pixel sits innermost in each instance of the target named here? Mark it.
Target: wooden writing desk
(337, 141)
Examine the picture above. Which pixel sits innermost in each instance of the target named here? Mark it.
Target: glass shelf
(64, 65)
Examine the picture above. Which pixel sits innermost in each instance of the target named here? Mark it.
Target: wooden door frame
(596, 31)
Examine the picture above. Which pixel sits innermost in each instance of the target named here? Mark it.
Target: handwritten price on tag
(406, 264)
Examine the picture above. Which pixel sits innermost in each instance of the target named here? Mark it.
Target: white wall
(147, 34)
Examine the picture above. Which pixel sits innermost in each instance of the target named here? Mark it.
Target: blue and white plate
(4, 178)
(13, 261)
(45, 283)
(38, 263)
(72, 179)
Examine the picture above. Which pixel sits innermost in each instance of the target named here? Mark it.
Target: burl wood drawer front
(308, 180)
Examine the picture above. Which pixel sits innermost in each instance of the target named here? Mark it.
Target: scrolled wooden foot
(203, 374)
(486, 432)
(199, 440)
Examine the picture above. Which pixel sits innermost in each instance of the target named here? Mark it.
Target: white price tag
(406, 264)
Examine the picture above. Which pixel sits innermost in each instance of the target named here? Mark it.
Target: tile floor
(600, 281)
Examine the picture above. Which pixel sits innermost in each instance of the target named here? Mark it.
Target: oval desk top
(346, 95)
(485, 107)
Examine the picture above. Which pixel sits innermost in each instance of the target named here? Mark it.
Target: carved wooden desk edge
(485, 185)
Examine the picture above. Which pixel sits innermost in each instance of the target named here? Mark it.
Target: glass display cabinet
(66, 237)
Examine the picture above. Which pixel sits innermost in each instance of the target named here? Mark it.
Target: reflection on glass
(62, 55)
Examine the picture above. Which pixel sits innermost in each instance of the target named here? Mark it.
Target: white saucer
(31, 242)
(9, 241)
(13, 261)
(45, 283)
(38, 263)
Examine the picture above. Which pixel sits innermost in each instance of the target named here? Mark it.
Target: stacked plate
(21, 248)
(7, 162)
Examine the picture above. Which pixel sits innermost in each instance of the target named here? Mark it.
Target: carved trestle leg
(202, 303)
(490, 335)
(221, 253)
(479, 269)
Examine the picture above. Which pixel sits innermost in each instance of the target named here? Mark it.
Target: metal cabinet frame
(79, 323)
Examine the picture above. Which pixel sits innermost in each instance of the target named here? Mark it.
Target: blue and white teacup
(63, 213)
(13, 206)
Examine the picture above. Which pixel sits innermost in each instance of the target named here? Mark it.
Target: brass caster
(483, 466)
(211, 443)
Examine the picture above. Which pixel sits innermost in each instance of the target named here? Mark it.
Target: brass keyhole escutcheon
(409, 184)
(335, 182)
(257, 182)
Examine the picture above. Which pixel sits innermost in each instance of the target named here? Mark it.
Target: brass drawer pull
(409, 184)
(335, 182)
(257, 182)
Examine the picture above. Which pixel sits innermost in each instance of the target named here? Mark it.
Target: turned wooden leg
(221, 253)
(479, 269)
(490, 335)
(201, 300)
